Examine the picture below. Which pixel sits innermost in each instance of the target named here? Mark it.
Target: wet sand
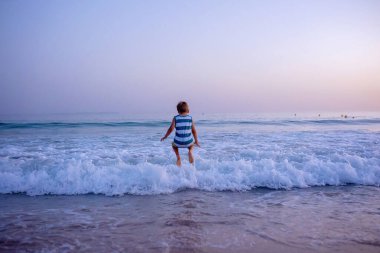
(318, 219)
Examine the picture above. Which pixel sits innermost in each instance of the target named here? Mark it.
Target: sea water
(266, 182)
(238, 152)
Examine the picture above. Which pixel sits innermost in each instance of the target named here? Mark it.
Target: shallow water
(239, 152)
(317, 219)
(260, 183)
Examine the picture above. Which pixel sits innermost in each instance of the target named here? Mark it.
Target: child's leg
(177, 155)
(191, 158)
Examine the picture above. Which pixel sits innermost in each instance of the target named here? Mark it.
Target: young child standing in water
(185, 133)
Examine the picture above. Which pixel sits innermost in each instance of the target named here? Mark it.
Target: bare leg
(191, 158)
(178, 157)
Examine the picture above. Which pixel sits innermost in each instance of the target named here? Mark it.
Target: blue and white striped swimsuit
(183, 137)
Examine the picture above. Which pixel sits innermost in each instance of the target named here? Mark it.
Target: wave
(161, 176)
(81, 124)
(162, 123)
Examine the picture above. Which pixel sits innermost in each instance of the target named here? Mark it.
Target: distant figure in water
(185, 133)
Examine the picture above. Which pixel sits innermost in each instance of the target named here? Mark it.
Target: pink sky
(221, 56)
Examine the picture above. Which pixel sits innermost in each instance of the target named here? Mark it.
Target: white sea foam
(129, 160)
(83, 174)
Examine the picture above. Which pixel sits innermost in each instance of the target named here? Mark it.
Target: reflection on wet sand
(319, 219)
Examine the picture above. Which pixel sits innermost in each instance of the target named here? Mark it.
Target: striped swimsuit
(183, 137)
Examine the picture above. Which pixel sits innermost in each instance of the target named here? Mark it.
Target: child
(184, 132)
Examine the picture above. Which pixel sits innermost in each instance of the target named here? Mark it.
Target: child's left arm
(195, 135)
(170, 130)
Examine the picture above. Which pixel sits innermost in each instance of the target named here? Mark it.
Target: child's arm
(195, 135)
(170, 130)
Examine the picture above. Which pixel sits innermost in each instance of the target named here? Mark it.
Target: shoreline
(316, 219)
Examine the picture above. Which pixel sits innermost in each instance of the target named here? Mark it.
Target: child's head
(182, 107)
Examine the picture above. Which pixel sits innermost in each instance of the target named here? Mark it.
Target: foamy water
(232, 200)
(237, 153)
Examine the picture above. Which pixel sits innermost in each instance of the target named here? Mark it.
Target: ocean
(261, 182)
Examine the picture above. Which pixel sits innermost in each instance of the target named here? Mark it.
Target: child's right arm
(170, 130)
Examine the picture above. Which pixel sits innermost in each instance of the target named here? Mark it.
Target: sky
(221, 56)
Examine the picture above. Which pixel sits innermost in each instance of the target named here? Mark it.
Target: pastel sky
(220, 56)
